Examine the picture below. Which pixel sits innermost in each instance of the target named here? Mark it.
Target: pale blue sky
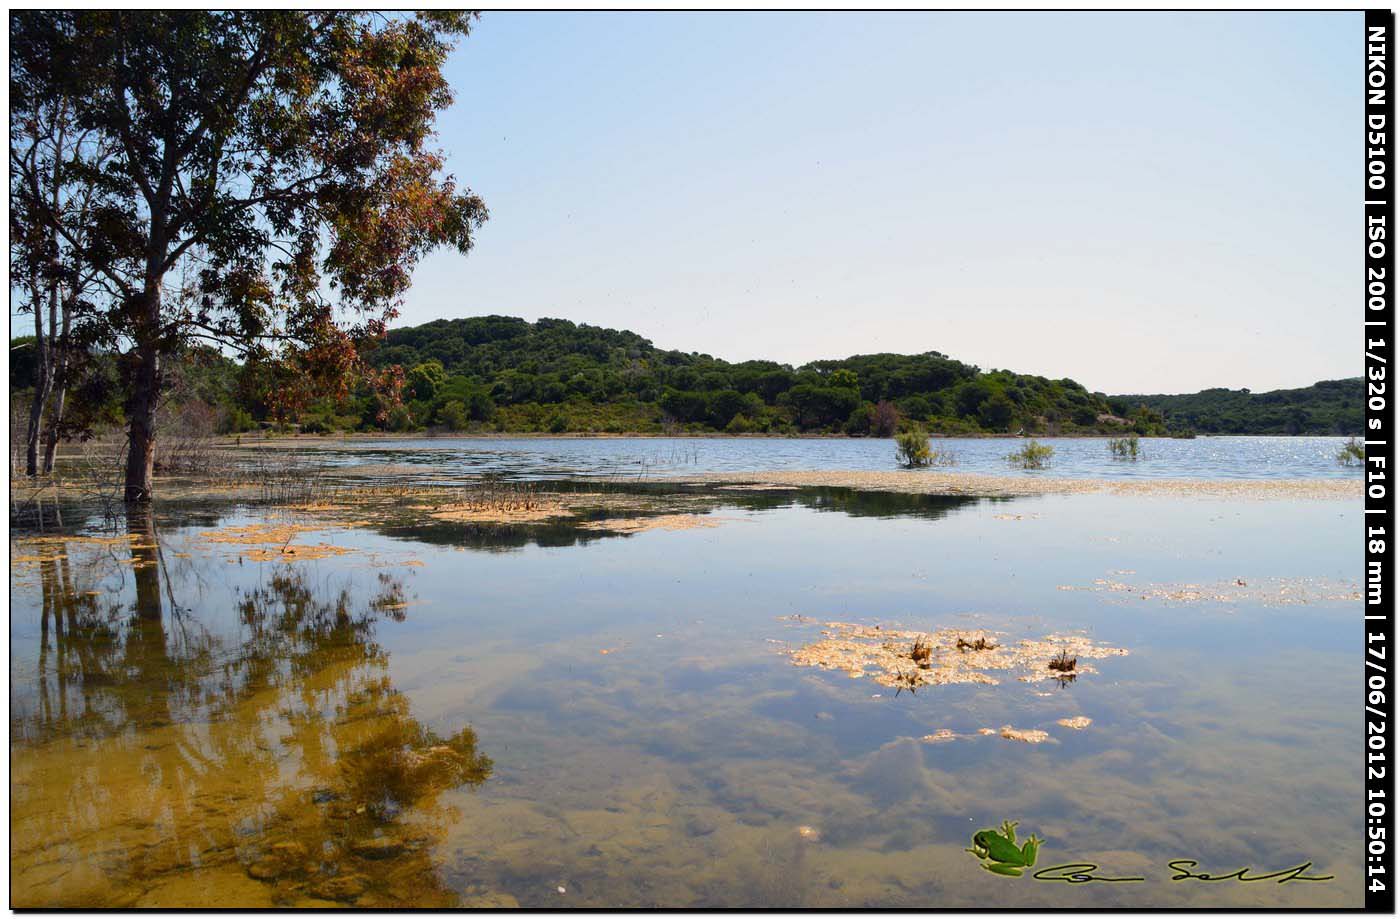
(1143, 202)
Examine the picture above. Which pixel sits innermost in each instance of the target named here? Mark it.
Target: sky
(1141, 202)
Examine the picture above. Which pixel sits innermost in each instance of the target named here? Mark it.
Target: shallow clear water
(464, 714)
(1200, 458)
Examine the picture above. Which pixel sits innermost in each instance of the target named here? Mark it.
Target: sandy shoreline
(991, 486)
(903, 481)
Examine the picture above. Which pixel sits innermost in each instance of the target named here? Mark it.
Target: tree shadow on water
(170, 765)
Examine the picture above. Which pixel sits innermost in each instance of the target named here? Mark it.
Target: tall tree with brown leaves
(282, 159)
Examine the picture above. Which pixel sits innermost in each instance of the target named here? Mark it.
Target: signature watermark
(999, 853)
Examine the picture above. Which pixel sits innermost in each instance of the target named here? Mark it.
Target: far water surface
(457, 714)
(1075, 457)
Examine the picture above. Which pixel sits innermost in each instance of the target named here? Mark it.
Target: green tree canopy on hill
(579, 369)
(505, 374)
(1327, 407)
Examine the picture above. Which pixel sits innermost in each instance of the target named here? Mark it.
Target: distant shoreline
(259, 439)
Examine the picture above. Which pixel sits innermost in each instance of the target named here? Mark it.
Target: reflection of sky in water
(1075, 457)
(676, 768)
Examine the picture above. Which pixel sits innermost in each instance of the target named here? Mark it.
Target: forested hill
(555, 375)
(1328, 407)
(497, 373)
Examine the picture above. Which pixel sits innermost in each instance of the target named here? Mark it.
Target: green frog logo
(999, 853)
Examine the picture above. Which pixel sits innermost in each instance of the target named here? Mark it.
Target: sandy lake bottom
(242, 706)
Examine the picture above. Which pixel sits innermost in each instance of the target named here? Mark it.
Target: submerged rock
(277, 861)
(226, 888)
(377, 847)
(941, 735)
(700, 825)
(342, 887)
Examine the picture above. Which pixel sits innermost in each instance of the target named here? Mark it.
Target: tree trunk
(59, 396)
(31, 438)
(43, 381)
(141, 407)
(141, 429)
(59, 357)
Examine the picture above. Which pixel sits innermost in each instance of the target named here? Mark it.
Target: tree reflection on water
(161, 762)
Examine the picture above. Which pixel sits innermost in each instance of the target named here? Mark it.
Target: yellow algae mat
(910, 659)
(266, 542)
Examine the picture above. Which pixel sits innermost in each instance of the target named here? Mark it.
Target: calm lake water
(442, 713)
(1202, 457)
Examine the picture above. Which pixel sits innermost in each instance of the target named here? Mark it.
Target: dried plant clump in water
(943, 458)
(493, 501)
(27, 550)
(1261, 591)
(883, 654)
(1077, 723)
(524, 504)
(922, 652)
(903, 681)
(1025, 736)
(1063, 662)
(502, 502)
(986, 485)
(296, 553)
(942, 735)
(657, 522)
(269, 542)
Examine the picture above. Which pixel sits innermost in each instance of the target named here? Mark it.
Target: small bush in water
(1353, 452)
(911, 448)
(1032, 456)
(1124, 447)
